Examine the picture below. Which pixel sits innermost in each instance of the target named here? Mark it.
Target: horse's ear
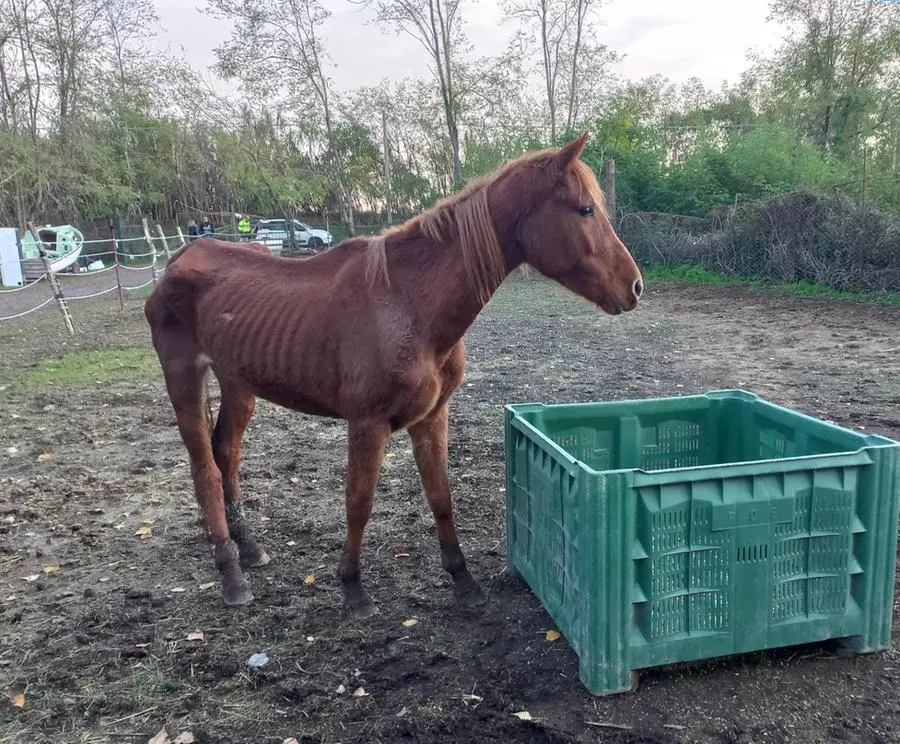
(571, 152)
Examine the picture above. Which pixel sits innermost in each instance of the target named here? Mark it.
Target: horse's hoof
(468, 593)
(239, 594)
(359, 605)
(254, 559)
(362, 611)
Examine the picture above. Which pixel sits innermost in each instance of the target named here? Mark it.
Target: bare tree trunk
(118, 45)
(561, 27)
(581, 9)
(431, 23)
(549, 71)
(21, 218)
(442, 58)
(7, 99)
(29, 65)
(387, 166)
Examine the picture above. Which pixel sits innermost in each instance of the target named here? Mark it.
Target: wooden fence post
(115, 251)
(181, 237)
(51, 278)
(162, 237)
(152, 248)
(609, 188)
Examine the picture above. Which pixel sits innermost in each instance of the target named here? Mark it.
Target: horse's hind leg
(235, 411)
(185, 371)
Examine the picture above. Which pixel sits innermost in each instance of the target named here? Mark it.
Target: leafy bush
(795, 237)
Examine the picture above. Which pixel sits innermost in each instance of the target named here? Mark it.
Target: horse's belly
(297, 402)
(289, 396)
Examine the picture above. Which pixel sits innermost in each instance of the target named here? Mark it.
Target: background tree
(572, 64)
(276, 45)
(437, 26)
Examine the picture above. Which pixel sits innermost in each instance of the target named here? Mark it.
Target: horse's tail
(210, 419)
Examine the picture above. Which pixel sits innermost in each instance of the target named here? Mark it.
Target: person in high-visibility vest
(244, 228)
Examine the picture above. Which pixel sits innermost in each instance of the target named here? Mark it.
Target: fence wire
(794, 237)
(28, 312)
(12, 299)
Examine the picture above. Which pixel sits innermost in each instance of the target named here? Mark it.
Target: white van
(276, 236)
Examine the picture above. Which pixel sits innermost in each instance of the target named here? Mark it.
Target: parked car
(275, 234)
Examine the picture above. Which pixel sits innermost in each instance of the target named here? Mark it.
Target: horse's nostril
(638, 288)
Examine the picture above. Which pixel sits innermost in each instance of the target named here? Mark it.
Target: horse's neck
(442, 296)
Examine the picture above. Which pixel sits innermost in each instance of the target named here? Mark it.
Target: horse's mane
(466, 215)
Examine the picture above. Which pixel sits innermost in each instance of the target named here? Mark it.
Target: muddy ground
(98, 643)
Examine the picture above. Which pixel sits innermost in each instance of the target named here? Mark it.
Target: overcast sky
(677, 38)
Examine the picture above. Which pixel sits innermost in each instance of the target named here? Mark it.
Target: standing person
(193, 230)
(207, 227)
(244, 228)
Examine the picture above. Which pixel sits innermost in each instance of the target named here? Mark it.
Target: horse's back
(212, 274)
(189, 270)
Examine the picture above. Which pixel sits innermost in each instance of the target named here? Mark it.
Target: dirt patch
(99, 644)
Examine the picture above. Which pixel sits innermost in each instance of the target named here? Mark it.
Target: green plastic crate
(676, 529)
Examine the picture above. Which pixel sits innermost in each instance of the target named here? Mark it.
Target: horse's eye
(586, 211)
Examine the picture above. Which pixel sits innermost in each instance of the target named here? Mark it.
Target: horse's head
(567, 236)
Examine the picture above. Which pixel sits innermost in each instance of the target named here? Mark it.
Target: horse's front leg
(367, 441)
(429, 438)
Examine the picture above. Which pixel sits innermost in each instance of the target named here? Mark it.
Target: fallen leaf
(44, 456)
(552, 635)
(50, 569)
(310, 579)
(186, 737)
(523, 715)
(410, 623)
(360, 692)
(143, 532)
(19, 700)
(208, 585)
(161, 738)
(196, 635)
(33, 577)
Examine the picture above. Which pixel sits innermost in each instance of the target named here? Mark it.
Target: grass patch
(88, 367)
(699, 275)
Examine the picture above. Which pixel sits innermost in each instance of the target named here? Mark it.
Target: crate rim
(643, 477)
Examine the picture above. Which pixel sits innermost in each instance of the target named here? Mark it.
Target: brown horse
(370, 332)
